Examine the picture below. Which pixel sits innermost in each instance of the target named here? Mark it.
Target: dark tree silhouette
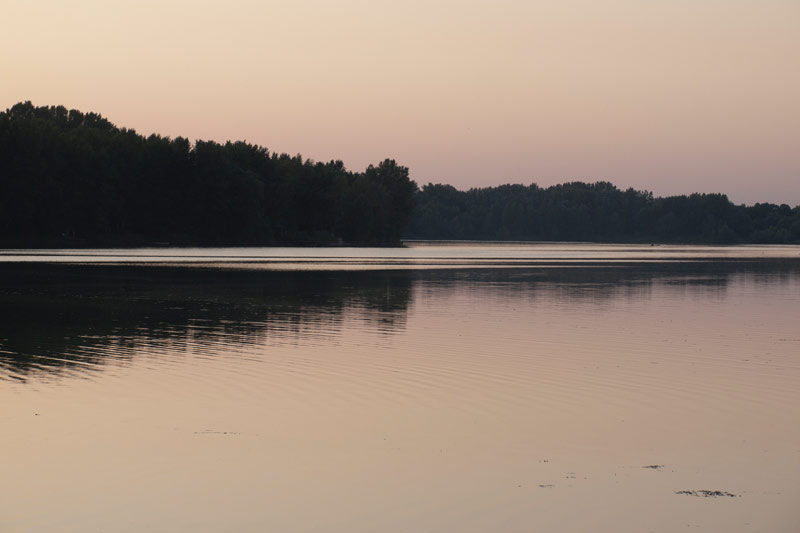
(69, 178)
(595, 212)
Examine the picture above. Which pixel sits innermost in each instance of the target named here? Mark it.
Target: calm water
(434, 388)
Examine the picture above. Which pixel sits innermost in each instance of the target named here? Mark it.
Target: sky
(670, 96)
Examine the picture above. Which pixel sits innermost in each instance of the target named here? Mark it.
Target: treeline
(597, 212)
(69, 178)
(73, 178)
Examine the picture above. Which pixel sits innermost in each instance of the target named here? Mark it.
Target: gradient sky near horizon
(672, 96)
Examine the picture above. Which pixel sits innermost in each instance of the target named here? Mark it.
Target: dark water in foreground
(434, 388)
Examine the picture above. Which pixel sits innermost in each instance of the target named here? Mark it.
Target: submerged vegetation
(69, 178)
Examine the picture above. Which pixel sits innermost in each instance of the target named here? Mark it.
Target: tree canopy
(69, 178)
(598, 212)
(73, 177)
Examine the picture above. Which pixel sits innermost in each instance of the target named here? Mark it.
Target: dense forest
(69, 178)
(595, 212)
(73, 178)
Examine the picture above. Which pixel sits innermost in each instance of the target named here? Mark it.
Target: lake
(439, 387)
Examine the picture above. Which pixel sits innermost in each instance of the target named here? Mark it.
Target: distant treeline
(69, 178)
(73, 178)
(595, 212)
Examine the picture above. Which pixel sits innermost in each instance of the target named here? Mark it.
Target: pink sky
(673, 96)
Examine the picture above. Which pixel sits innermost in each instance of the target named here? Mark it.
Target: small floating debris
(212, 432)
(707, 493)
(654, 467)
(546, 486)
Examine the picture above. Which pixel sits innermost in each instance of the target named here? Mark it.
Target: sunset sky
(673, 96)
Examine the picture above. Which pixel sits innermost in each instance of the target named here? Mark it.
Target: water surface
(432, 388)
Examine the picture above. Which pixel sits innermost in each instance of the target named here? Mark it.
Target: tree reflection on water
(71, 319)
